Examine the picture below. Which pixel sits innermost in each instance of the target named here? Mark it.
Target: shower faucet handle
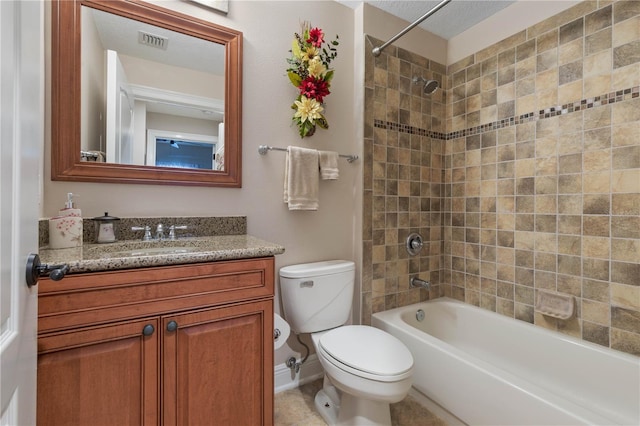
(414, 243)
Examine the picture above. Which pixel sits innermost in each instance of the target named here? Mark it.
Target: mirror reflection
(150, 96)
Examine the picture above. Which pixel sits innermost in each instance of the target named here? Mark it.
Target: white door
(120, 106)
(21, 142)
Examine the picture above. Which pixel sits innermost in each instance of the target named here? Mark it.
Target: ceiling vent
(153, 40)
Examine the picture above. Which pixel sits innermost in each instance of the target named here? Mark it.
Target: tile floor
(295, 407)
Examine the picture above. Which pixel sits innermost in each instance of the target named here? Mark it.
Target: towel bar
(263, 149)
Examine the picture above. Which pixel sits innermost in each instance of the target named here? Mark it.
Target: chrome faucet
(416, 282)
(160, 232)
(172, 230)
(147, 232)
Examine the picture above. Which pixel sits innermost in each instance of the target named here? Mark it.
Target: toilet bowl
(366, 369)
(370, 368)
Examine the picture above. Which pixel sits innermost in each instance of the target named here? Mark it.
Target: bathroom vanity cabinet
(184, 344)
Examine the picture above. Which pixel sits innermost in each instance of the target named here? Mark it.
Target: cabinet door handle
(172, 326)
(148, 330)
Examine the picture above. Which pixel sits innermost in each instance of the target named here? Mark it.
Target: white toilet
(366, 369)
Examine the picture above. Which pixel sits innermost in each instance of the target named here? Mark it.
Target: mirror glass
(147, 95)
(142, 89)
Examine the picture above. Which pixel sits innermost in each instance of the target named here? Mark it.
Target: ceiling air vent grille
(153, 40)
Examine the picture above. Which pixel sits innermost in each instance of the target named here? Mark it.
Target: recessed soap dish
(556, 305)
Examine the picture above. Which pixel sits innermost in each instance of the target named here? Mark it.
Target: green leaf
(295, 48)
(294, 78)
(322, 122)
(328, 76)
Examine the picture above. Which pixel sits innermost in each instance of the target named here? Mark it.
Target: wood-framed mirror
(94, 139)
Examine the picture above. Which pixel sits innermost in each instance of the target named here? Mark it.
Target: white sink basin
(152, 251)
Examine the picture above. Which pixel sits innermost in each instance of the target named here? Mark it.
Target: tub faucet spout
(417, 282)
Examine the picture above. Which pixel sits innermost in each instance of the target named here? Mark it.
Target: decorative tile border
(405, 128)
(606, 99)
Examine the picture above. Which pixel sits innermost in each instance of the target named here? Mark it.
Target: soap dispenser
(65, 230)
(70, 207)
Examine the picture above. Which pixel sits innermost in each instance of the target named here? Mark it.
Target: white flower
(308, 109)
(316, 67)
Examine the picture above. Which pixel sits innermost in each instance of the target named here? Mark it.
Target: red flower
(316, 37)
(315, 88)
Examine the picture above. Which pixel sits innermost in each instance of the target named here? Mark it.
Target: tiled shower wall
(540, 175)
(403, 178)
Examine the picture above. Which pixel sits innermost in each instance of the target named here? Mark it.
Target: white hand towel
(329, 165)
(301, 178)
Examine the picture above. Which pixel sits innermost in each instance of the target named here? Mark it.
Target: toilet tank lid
(317, 268)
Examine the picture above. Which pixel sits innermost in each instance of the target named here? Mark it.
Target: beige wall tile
(597, 247)
(625, 295)
(625, 204)
(599, 182)
(626, 31)
(595, 312)
(597, 64)
(625, 341)
(626, 181)
(623, 10)
(597, 42)
(601, 18)
(548, 40)
(526, 167)
(569, 244)
(626, 54)
(626, 134)
(625, 112)
(570, 92)
(625, 77)
(597, 85)
(597, 160)
(570, 52)
(597, 117)
(625, 250)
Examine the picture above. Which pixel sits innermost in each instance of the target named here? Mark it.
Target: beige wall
(331, 232)
(503, 24)
(384, 26)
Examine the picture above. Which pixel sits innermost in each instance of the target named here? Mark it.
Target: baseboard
(286, 378)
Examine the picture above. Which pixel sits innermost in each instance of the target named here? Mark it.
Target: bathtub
(487, 369)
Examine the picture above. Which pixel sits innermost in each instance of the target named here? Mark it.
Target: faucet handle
(146, 229)
(172, 230)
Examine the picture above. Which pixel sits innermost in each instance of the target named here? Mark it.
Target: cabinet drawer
(100, 297)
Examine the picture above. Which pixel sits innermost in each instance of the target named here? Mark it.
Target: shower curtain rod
(377, 50)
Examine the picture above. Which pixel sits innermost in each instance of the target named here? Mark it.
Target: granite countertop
(141, 254)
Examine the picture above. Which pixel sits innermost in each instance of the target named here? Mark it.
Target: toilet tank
(317, 296)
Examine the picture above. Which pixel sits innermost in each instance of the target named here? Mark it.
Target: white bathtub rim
(395, 313)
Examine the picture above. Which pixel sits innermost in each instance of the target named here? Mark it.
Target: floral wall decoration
(309, 72)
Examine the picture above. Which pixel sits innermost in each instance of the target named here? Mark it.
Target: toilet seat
(367, 352)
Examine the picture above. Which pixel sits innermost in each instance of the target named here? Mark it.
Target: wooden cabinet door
(100, 375)
(218, 366)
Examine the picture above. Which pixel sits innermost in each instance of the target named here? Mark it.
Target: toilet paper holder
(281, 331)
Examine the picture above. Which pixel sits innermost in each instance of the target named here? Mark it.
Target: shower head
(429, 87)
